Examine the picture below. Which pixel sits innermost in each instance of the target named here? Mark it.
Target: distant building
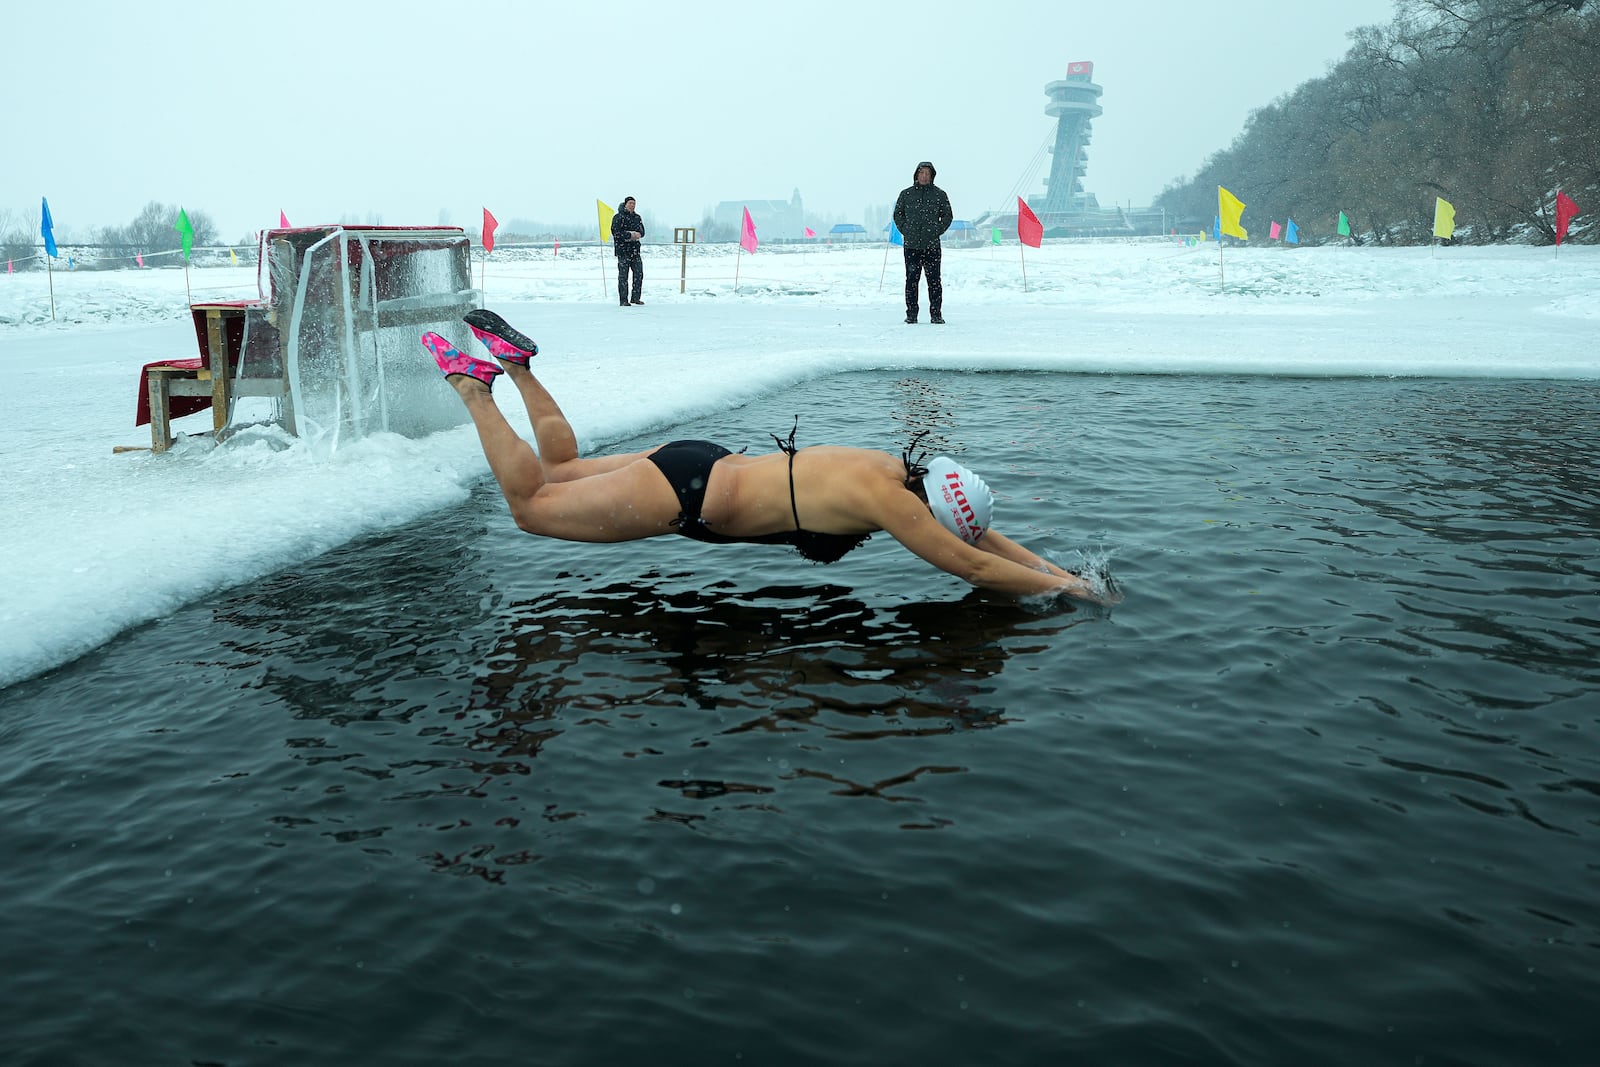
(773, 218)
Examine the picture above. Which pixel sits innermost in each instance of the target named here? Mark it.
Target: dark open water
(1324, 789)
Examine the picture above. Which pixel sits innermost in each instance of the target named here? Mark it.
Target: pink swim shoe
(452, 361)
(504, 340)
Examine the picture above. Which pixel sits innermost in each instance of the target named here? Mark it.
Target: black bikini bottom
(687, 467)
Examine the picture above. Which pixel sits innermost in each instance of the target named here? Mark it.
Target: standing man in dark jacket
(627, 230)
(922, 214)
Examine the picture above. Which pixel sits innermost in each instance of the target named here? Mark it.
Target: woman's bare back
(833, 489)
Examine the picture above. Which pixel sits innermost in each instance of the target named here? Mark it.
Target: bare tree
(17, 241)
(154, 229)
(1491, 104)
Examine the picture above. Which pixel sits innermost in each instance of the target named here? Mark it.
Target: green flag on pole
(996, 237)
(1344, 225)
(186, 231)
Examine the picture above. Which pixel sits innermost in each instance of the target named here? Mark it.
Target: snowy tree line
(1491, 104)
(151, 231)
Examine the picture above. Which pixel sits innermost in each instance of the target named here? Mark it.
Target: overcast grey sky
(406, 110)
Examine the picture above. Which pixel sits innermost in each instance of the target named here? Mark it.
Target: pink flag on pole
(138, 258)
(283, 220)
(810, 232)
(557, 249)
(490, 224)
(1566, 208)
(747, 233)
(1030, 231)
(1274, 231)
(9, 268)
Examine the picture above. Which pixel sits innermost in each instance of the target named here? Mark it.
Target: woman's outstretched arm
(1004, 566)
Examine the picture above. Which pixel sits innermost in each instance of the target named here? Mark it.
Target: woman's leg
(552, 491)
(515, 464)
(603, 499)
(558, 445)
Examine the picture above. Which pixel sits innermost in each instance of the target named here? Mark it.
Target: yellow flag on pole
(1229, 209)
(1444, 218)
(232, 258)
(605, 218)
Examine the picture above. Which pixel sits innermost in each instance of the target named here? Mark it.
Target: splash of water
(1094, 567)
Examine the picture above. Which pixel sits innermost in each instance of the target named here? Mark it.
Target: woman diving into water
(824, 500)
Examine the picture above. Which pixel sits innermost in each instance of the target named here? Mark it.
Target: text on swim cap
(954, 494)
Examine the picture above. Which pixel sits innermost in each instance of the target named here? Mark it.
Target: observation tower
(1074, 103)
(1065, 209)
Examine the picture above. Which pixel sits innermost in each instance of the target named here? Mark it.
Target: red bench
(174, 388)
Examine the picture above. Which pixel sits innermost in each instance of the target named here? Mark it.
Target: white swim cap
(958, 498)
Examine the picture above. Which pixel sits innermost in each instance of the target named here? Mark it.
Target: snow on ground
(101, 542)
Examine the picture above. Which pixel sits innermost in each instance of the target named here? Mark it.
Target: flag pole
(1222, 273)
(885, 271)
(186, 290)
(737, 257)
(51, 274)
(1022, 251)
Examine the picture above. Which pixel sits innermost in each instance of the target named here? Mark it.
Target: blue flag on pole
(1216, 228)
(47, 228)
(895, 237)
(1291, 233)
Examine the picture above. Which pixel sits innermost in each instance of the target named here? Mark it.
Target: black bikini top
(817, 547)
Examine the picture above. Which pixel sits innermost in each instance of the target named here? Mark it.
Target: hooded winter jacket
(922, 213)
(622, 223)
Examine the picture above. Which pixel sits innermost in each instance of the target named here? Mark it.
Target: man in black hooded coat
(627, 229)
(922, 214)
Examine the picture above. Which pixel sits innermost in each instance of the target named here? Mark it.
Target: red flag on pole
(1566, 207)
(747, 233)
(1030, 231)
(283, 220)
(490, 224)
